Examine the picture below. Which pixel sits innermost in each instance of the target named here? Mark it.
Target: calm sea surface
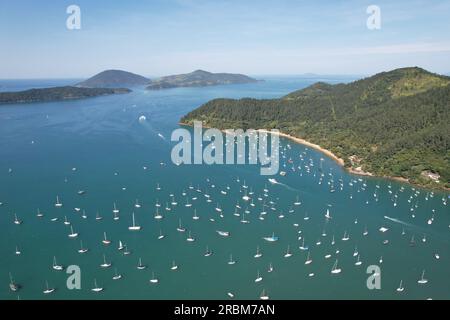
(99, 146)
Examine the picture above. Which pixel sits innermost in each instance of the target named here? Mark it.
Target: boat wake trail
(273, 181)
(401, 222)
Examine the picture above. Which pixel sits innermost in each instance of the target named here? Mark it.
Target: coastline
(334, 157)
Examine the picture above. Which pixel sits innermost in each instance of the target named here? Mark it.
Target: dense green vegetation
(56, 93)
(396, 123)
(198, 78)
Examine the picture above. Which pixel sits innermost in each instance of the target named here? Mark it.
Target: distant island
(199, 78)
(57, 93)
(393, 124)
(115, 79)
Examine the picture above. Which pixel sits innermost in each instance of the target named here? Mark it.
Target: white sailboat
(161, 235)
(270, 269)
(116, 276)
(72, 234)
(258, 253)
(96, 288)
(154, 280)
(272, 238)
(121, 247)
(288, 253)
(82, 249)
(134, 227)
(195, 217)
(231, 261)
(17, 252)
(39, 214)
(264, 295)
(47, 289)
(358, 261)
(13, 286)
(56, 266)
(58, 204)
(174, 266)
(308, 258)
(335, 269)
(136, 204)
(66, 222)
(208, 252)
(115, 210)
(180, 228)
(105, 264)
(400, 287)
(190, 238)
(158, 216)
(327, 215)
(422, 279)
(16, 220)
(105, 240)
(140, 266)
(258, 278)
(345, 237)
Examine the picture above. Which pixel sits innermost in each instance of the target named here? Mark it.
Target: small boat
(161, 235)
(270, 269)
(223, 233)
(174, 266)
(258, 277)
(263, 295)
(190, 238)
(154, 280)
(422, 279)
(195, 217)
(335, 269)
(140, 266)
(39, 214)
(180, 228)
(82, 249)
(231, 261)
(17, 252)
(346, 237)
(121, 247)
(158, 216)
(98, 217)
(47, 289)
(116, 276)
(105, 241)
(308, 258)
(231, 295)
(66, 222)
(12, 285)
(58, 204)
(72, 234)
(208, 252)
(56, 266)
(126, 252)
(358, 262)
(96, 288)
(288, 253)
(303, 247)
(136, 204)
(115, 210)
(105, 264)
(272, 238)
(16, 220)
(400, 287)
(258, 253)
(134, 227)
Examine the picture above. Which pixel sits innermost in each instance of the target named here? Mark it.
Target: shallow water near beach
(99, 146)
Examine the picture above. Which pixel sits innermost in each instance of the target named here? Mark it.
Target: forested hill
(56, 94)
(394, 123)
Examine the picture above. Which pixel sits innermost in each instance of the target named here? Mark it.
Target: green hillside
(394, 123)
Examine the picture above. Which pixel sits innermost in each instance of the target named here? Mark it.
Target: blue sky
(159, 37)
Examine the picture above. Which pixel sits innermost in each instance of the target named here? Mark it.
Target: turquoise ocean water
(99, 146)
